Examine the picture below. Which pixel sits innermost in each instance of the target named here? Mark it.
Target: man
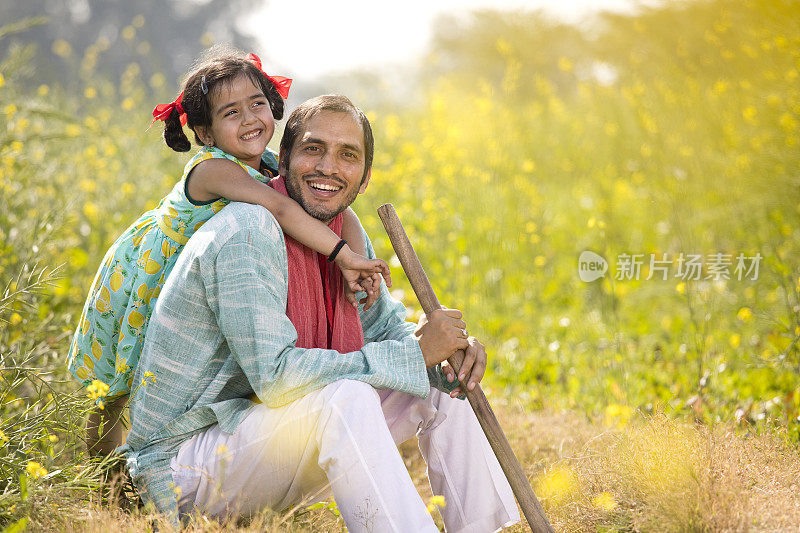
(221, 332)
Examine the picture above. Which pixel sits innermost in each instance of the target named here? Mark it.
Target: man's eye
(350, 155)
(312, 148)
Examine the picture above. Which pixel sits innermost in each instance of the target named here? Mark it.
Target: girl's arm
(353, 234)
(220, 178)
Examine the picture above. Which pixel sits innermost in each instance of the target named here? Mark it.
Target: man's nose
(325, 164)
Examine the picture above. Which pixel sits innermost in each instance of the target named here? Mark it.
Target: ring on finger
(464, 332)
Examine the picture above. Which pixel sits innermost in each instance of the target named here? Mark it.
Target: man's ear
(282, 168)
(364, 183)
(204, 132)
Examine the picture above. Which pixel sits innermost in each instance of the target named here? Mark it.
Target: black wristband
(336, 250)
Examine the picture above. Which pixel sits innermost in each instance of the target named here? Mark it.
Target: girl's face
(241, 121)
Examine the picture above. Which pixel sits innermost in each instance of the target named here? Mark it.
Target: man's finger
(452, 313)
(448, 371)
(461, 344)
(466, 364)
(479, 368)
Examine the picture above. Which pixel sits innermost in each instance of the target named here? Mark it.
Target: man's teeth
(250, 135)
(321, 187)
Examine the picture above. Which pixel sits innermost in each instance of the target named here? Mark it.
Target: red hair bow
(163, 111)
(281, 84)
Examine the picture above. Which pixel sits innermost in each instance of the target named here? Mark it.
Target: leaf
(18, 526)
(23, 486)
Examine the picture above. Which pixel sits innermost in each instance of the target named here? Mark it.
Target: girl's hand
(372, 286)
(362, 274)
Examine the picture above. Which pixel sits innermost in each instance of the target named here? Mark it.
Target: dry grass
(654, 475)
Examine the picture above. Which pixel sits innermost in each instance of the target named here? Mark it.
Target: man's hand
(473, 367)
(440, 334)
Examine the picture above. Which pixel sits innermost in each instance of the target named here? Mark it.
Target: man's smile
(323, 187)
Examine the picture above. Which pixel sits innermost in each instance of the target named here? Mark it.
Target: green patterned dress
(111, 330)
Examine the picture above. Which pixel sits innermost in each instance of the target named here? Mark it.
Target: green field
(671, 133)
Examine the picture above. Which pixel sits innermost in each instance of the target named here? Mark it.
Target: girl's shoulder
(211, 152)
(269, 160)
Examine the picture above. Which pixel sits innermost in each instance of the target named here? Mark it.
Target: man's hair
(336, 103)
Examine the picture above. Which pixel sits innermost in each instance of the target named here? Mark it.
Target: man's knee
(352, 396)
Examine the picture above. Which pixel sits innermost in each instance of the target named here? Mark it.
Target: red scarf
(316, 303)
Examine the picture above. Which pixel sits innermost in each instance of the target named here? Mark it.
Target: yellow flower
(15, 319)
(157, 80)
(43, 90)
(61, 48)
(749, 113)
(744, 314)
(52, 438)
(681, 288)
(557, 486)
(97, 389)
(2, 80)
(437, 500)
(3, 437)
(605, 501)
(735, 340)
(35, 469)
(90, 92)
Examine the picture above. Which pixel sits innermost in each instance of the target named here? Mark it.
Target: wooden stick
(531, 507)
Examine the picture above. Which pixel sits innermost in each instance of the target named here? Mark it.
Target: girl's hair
(219, 71)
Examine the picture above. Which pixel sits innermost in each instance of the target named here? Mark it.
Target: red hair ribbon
(281, 84)
(163, 111)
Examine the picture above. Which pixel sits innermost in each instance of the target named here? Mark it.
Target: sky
(310, 38)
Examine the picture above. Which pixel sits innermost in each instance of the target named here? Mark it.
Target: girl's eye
(229, 113)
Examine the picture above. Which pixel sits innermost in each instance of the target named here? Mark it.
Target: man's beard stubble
(293, 188)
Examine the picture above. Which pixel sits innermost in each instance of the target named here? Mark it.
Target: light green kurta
(219, 333)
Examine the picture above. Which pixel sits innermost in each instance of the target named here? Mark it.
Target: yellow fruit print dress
(111, 330)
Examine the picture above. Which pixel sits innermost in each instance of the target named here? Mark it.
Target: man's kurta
(219, 334)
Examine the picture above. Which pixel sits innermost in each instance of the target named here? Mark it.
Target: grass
(656, 474)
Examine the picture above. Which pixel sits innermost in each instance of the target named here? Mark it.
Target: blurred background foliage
(523, 143)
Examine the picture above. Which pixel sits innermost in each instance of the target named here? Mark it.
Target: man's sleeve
(246, 287)
(386, 320)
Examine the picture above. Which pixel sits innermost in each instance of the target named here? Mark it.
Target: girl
(231, 105)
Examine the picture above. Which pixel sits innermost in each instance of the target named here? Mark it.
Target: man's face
(326, 165)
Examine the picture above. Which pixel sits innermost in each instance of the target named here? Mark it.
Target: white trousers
(344, 438)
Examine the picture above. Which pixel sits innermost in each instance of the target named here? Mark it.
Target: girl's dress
(111, 330)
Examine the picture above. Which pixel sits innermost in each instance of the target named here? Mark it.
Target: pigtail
(274, 98)
(174, 135)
